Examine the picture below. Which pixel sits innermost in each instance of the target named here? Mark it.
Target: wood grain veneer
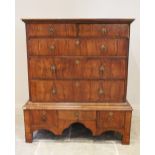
(77, 72)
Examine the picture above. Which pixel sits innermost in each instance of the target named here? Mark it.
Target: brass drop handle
(76, 114)
(101, 69)
(77, 61)
(77, 42)
(43, 118)
(101, 92)
(103, 48)
(110, 114)
(52, 48)
(104, 30)
(53, 68)
(51, 30)
(54, 91)
(110, 118)
(77, 84)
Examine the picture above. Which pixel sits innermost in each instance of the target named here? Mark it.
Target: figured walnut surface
(89, 46)
(77, 72)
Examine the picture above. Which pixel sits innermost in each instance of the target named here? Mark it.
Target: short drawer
(77, 115)
(77, 90)
(53, 30)
(104, 30)
(110, 119)
(44, 117)
(77, 68)
(78, 47)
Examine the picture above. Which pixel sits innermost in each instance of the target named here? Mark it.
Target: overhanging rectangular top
(84, 20)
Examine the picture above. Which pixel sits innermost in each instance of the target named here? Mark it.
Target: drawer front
(77, 115)
(78, 47)
(104, 30)
(77, 68)
(77, 91)
(87, 115)
(53, 30)
(44, 117)
(111, 119)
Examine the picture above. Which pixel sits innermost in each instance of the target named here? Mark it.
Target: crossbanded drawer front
(44, 117)
(77, 115)
(77, 68)
(104, 30)
(53, 30)
(77, 91)
(78, 47)
(111, 119)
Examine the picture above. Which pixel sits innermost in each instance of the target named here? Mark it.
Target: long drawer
(77, 90)
(77, 68)
(78, 47)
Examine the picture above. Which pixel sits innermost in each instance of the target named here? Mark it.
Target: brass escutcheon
(77, 42)
(52, 48)
(110, 113)
(53, 67)
(101, 92)
(43, 118)
(103, 30)
(77, 84)
(101, 68)
(50, 29)
(103, 48)
(76, 114)
(77, 61)
(54, 91)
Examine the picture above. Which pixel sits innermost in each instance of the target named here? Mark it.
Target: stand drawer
(44, 117)
(77, 115)
(110, 119)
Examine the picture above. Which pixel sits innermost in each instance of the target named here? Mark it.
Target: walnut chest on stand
(77, 72)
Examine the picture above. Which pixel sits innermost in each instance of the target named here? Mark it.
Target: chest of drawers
(77, 72)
